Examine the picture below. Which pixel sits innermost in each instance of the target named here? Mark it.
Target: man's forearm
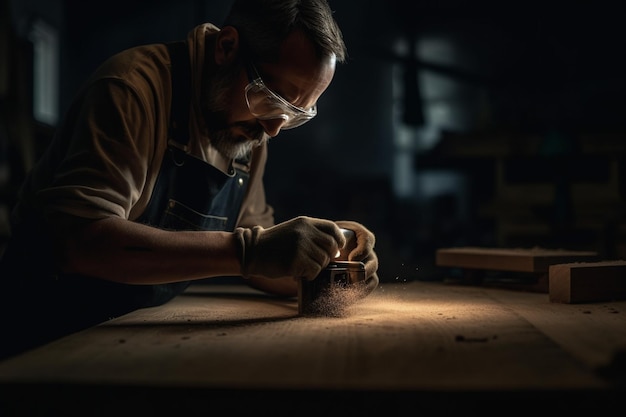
(119, 250)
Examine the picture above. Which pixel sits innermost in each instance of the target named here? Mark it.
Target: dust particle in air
(336, 302)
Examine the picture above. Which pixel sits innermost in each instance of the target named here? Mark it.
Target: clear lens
(264, 104)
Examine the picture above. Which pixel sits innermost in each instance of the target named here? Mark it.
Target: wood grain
(429, 340)
(533, 260)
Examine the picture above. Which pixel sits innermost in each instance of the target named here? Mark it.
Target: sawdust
(336, 301)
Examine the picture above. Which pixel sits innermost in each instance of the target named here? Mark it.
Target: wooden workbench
(431, 347)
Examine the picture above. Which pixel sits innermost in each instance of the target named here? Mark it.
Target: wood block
(534, 260)
(582, 282)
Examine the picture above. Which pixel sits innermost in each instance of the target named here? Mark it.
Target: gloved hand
(299, 248)
(364, 252)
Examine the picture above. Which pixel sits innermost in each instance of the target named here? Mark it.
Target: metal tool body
(339, 276)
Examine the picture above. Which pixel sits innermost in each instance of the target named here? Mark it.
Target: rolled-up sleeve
(110, 145)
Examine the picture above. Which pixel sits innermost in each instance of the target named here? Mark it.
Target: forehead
(298, 68)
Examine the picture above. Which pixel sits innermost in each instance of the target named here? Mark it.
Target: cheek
(224, 93)
(240, 113)
(240, 104)
(237, 105)
(240, 107)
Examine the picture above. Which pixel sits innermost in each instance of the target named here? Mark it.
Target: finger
(371, 265)
(325, 244)
(320, 256)
(330, 228)
(311, 261)
(308, 269)
(365, 240)
(361, 252)
(358, 228)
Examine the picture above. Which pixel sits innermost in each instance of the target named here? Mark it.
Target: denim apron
(39, 304)
(190, 194)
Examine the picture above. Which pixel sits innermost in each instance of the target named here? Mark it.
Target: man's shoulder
(139, 61)
(141, 69)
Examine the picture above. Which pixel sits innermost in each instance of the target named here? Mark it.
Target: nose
(272, 126)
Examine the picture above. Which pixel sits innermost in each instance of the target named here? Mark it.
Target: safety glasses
(264, 104)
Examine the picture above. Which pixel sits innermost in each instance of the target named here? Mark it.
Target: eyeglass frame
(300, 115)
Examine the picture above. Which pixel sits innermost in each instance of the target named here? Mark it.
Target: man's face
(232, 139)
(298, 77)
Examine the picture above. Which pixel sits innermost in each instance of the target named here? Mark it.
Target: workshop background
(453, 123)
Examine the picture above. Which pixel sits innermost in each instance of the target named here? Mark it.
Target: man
(155, 177)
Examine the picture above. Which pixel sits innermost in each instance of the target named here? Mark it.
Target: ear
(226, 45)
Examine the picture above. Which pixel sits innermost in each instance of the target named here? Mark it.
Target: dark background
(452, 123)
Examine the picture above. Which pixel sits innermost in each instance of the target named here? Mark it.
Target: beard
(222, 134)
(236, 146)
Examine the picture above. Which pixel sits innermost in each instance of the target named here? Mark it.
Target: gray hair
(264, 24)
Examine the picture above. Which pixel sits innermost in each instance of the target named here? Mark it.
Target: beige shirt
(105, 158)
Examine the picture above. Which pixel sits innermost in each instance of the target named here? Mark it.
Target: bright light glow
(403, 174)
(45, 41)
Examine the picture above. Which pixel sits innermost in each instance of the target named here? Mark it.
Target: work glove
(363, 251)
(299, 248)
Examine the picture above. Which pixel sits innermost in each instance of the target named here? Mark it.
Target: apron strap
(181, 93)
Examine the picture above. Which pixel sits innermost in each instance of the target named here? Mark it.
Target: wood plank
(402, 337)
(592, 333)
(532, 260)
(436, 339)
(582, 282)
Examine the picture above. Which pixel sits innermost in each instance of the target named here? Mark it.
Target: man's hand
(299, 248)
(364, 252)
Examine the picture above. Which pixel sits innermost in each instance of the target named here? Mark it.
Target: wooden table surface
(433, 346)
